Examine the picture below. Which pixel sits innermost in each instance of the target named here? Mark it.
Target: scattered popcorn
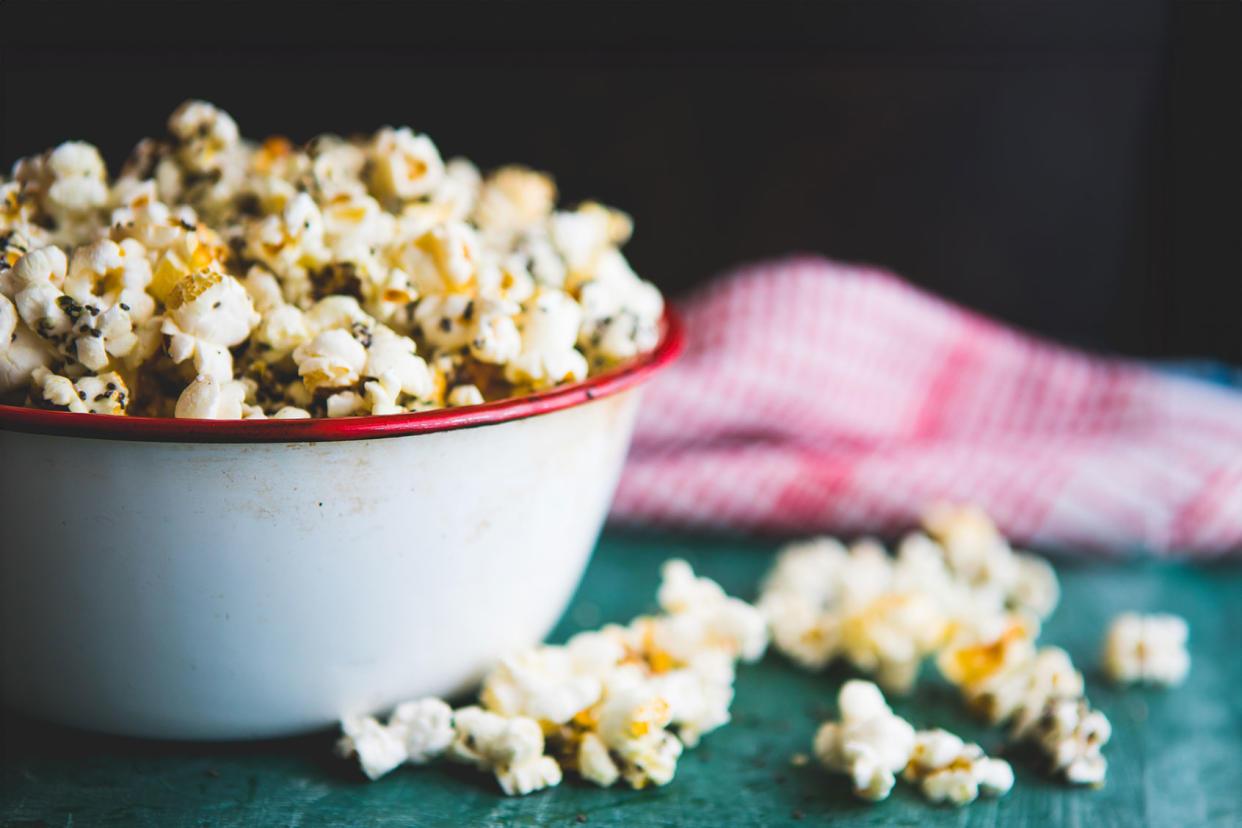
(887, 614)
(330, 277)
(1147, 649)
(870, 743)
(610, 704)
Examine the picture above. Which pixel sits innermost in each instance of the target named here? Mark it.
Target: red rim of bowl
(167, 429)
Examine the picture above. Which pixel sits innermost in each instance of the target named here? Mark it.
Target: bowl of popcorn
(293, 432)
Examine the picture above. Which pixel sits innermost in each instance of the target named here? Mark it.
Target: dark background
(1071, 167)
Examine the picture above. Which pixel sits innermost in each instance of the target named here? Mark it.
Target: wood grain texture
(1174, 757)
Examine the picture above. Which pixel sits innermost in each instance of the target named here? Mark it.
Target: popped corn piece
(536, 774)
(282, 329)
(21, 350)
(973, 657)
(701, 616)
(205, 135)
(404, 165)
(1071, 734)
(870, 742)
(49, 389)
(103, 393)
(549, 332)
(949, 770)
(973, 546)
(540, 683)
(698, 695)
(511, 199)
(379, 749)
(425, 726)
(391, 359)
(75, 189)
(208, 312)
(510, 747)
(345, 404)
(621, 311)
(462, 395)
(1148, 649)
(207, 398)
(8, 321)
(332, 359)
(632, 718)
(891, 635)
(452, 257)
(291, 412)
(1036, 588)
(593, 762)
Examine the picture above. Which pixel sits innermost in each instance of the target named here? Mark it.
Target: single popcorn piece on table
(425, 726)
(379, 749)
(510, 747)
(1147, 649)
(1071, 735)
(950, 770)
(869, 743)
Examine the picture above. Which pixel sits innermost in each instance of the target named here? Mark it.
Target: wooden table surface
(1175, 757)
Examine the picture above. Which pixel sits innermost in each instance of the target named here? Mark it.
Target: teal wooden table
(1175, 757)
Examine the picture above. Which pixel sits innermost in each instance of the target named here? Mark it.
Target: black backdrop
(1072, 167)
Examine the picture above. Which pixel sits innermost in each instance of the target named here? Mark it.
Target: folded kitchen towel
(820, 397)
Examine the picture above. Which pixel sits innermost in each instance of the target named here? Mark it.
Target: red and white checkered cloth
(820, 397)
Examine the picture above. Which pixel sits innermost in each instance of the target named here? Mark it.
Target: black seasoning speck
(446, 324)
(468, 313)
(185, 225)
(112, 386)
(217, 305)
(124, 306)
(102, 396)
(82, 396)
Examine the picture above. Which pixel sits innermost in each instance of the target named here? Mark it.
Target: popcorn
(1147, 649)
(549, 332)
(404, 165)
(332, 359)
(1071, 734)
(379, 749)
(949, 770)
(512, 199)
(869, 743)
(207, 398)
(425, 726)
(510, 747)
(542, 684)
(205, 134)
(209, 247)
(594, 764)
(1038, 691)
(461, 395)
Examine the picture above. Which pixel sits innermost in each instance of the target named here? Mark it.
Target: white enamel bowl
(194, 579)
